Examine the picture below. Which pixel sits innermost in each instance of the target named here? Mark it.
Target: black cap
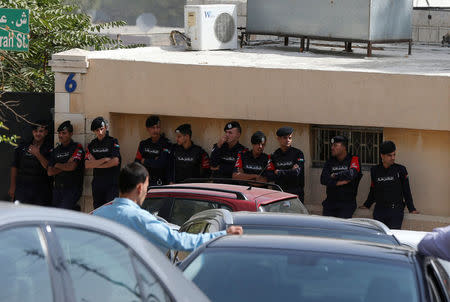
(231, 125)
(387, 147)
(97, 123)
(184, 129)
(152, 120)
(283, 131)
(65, 126)
(39, 123)
(258, 138)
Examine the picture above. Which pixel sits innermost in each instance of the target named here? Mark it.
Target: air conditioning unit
(211, 26)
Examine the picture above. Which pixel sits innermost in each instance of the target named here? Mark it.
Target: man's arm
(204, 164)
(325, 177)
(91, 162)
(71, 165)
(215, 157)
(158, 232)
(12, 183)
(352, 173)
(40, 157)
(111, 162)
(406, 190)
(436, 243)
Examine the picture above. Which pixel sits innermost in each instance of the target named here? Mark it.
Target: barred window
(364, 142)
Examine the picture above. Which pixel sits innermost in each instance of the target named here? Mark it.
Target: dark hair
(258, 138)
(152, 120)
(387, 147)
(130, 176)
(184, 129)
(40, 123)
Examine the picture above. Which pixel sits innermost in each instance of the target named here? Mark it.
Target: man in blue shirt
(126, 210)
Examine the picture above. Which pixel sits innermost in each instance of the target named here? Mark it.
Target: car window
(24, 273)
(160, 206)
(100, 267)
(317, 232)
(184, 208)
(289, 275)
(194, 228)
(152, 289)
(291, 205)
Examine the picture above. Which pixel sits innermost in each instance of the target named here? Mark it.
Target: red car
(177, 203)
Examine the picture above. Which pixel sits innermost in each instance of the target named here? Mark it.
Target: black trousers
(66, 198)
(392, 217)
(339, 210)
(103, 192)
(34, 193)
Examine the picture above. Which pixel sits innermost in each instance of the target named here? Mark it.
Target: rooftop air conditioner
(211, 26)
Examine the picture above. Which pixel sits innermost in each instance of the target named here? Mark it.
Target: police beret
(184, 129)
(339, 139)
(387, 147)
(65, 126)
(283, 131)
(97, 123)
(152, 120)
(231, 125)
(258, 138)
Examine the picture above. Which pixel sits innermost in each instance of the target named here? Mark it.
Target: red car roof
(252, 194)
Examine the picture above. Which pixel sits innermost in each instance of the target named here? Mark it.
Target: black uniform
(290, 180)
(105, 183)
(251, 165)
(341, 200)
(390, 191)
(225, 158)
(156, 159)
(68, 185)
(32, 183)
(188, 163)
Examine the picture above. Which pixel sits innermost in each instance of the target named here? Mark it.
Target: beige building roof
(390, 58)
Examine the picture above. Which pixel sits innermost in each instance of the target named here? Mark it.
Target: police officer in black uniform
(103, 155)
(341, 175)
(254, 164)
(289, 164)
(154, 152)
(389, 189)
(187, 159)
(66, 165)
(29, 180)
(224, 153)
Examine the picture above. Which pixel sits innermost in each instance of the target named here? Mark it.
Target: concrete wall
(429, 26)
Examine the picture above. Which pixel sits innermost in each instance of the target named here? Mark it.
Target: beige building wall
(125, 92)
(300, 95)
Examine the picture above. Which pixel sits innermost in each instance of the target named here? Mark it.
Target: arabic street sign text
(14, 29)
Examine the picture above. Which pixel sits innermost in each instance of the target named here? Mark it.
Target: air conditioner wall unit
(211, 26)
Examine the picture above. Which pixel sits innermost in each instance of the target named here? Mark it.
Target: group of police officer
(38, 169)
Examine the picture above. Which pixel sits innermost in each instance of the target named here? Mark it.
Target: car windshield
(316, 232)
(244, 274)
(291, 205)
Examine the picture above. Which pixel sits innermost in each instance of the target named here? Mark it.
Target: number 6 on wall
(71, 85)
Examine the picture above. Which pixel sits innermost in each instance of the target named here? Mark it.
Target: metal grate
(224, 27)
(364, 142)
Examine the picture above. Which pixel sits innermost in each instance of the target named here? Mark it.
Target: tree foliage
(54, 27)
